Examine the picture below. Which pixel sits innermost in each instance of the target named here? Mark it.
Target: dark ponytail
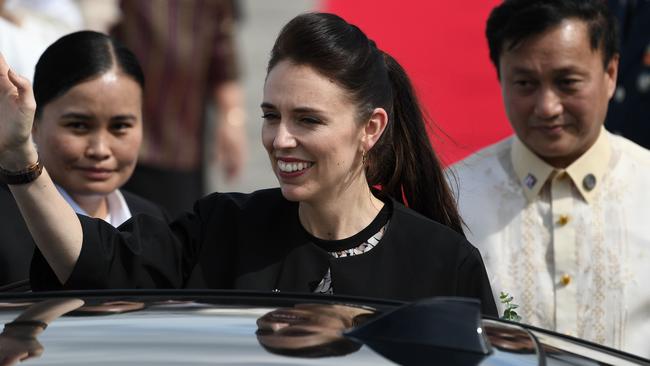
(402, 163)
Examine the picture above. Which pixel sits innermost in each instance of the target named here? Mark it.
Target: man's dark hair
(514, 21)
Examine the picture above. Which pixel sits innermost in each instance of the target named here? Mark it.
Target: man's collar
(586, 173)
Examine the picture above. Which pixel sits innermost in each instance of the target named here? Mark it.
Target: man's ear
(374, 128)
(611, 73)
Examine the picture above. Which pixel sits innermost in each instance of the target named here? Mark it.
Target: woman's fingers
(12, 83)
(17, 107)
(12, 359)
(25, 93)
(6, 85)
(4, 67)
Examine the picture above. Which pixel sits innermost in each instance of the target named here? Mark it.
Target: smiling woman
(88, 139)
(88, 129)
(347, 141)
(88, 123)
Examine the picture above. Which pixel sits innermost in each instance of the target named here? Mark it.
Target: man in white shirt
(560, 211)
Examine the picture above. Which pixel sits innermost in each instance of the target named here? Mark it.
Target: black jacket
(16, 244)
(256, 242)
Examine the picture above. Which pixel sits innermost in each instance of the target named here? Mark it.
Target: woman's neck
(343, 217)
(93, 205)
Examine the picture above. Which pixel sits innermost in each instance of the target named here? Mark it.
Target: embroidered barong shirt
(572, 246)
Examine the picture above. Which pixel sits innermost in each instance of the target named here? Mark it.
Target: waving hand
(17, 108)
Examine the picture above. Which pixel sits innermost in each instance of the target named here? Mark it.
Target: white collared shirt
(572, 246)
(118, 210)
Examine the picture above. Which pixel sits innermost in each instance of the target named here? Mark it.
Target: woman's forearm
(51, 221)
(53, 224)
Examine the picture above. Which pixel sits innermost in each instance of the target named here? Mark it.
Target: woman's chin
(293, 193)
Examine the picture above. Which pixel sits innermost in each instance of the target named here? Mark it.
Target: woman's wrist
(27, 175)
(19, 159)
(24, 329)
(27, 323)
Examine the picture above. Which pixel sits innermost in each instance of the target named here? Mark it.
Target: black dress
(16, 244)
(256, 242)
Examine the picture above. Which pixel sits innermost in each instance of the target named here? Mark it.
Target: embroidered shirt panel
(575, 264)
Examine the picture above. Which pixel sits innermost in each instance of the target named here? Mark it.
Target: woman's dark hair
(514, 21)
(78, 57)
(402, 163)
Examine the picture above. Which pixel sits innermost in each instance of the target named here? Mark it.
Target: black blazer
(16, 244)
(256, 242)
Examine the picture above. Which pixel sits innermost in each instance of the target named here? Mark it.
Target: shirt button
(565, 279)
(563, 220)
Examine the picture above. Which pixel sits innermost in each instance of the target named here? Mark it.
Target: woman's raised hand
(17, 108)
(53, 224)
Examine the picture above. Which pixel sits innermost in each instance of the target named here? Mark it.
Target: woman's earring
(364, 158)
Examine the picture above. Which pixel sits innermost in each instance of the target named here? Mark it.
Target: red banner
(442, 46)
